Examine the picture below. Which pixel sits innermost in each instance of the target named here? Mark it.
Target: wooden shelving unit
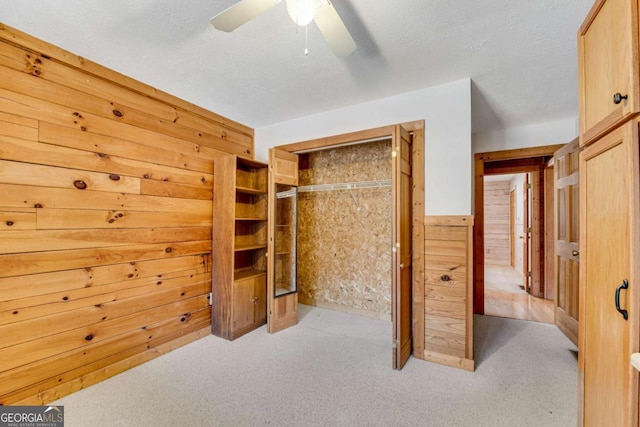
(239, 275)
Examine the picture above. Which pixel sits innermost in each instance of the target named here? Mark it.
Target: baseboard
(95, 377)
(453, 361)
(344, 308)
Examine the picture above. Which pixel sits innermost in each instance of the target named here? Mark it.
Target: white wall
(549, 133)
(446, 110)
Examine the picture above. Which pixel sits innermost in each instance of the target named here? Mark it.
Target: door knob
(618, 97)
(575, 253)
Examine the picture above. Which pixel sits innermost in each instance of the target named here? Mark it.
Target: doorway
(407, 189)
(507, 218)
(532, 161)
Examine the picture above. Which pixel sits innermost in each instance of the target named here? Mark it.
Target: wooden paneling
(496, 222)
(105, 219)
(448, 305)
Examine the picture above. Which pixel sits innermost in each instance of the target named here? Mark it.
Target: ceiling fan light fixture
(302, 11)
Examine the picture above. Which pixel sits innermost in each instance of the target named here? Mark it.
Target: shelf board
(284, 225)
(247, 273)
(250, 190)
(240, 248)
(283, 253)
(252, 219)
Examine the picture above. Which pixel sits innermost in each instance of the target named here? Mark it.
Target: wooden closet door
(609, 236)
(401, 295)
(567, 242)
(282, 311)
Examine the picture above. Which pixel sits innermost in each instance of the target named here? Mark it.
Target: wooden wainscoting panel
(448, 291)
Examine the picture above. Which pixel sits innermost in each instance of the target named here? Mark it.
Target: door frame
(416, 128)
(527, 223)
(495, 163)
(512, 228)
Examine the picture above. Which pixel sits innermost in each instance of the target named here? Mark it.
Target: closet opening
(357, 216)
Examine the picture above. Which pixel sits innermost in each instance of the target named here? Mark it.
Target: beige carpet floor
(334, 369)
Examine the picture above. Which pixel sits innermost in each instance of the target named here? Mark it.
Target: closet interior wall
(344, 236)
(106, 219)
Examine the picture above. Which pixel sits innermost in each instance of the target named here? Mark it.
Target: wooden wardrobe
(609, 214)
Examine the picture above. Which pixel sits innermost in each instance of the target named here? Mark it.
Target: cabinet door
(608, 65)
(609, 238)
(260, 299)
(243, 305)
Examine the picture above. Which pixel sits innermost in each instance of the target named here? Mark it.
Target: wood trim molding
(418, 239)
(591, 16)
(452, 361)
(334, 140)
(519, 153)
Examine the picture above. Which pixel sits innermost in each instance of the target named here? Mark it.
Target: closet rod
(345, 186)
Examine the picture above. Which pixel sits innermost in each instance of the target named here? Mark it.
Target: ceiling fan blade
(334, 30)
(241, 12)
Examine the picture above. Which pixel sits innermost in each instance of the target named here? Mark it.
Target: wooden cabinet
(608, 67)
(609, 316)
(240, 203)
(609, 185)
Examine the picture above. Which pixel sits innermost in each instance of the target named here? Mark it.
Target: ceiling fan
(302, 12)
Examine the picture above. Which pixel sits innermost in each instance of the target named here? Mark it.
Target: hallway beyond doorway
(504, 297)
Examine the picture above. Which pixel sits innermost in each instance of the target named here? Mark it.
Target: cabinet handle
(618, 97)
(575, 253)
(624, 285)
(445, 278)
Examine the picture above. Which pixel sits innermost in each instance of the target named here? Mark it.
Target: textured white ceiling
(520, 54)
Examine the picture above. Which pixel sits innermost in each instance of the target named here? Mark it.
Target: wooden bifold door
(402, 253)
(282, 295)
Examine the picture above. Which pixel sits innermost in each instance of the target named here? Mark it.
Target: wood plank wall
(448, 292)
(496, 222)
(105, 219)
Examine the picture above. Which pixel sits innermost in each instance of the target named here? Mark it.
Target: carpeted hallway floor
(334, 369)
